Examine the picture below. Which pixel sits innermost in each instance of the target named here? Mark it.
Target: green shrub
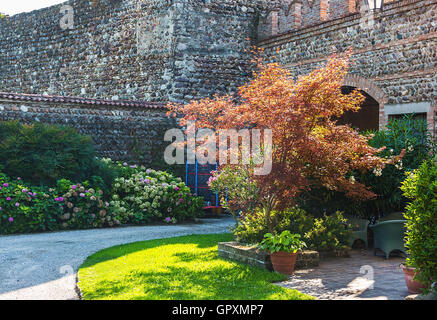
(326, 233)
(26, 209)
(83, 207)
(421, 214)
(252, 227)
(404, 133)
(141, 196)
(285, 241)
(42, 154)
(235, 185)
(329, 233)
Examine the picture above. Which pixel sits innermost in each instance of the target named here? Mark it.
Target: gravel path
(44, 266)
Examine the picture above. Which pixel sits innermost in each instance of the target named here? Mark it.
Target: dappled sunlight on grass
(180, 268)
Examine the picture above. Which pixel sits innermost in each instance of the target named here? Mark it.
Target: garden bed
(255, 257)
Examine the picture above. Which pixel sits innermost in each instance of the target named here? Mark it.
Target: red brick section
(431, 119)
(324, 10)
(275, 23)
(8, 96)
(297, 9)
(352, 6)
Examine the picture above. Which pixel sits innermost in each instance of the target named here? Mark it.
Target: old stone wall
(213, 40)
(131, 131)
(115, 50)
(394, 55)
(179, 50)
(155, 50)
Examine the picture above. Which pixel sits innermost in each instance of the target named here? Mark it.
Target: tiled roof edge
(81, 101)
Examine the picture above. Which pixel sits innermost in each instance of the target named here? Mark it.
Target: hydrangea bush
(138, 196)
(83, 207)
(143, 196)
(26, 209)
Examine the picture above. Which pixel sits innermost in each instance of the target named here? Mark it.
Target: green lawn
(183, 268)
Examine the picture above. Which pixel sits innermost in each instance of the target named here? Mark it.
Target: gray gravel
(44, 266)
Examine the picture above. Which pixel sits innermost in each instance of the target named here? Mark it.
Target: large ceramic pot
(283, 262)
(413, 286)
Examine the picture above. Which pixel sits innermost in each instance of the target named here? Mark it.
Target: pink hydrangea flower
(10, 219)
(17, 204)
(8, 199)
(168, 219)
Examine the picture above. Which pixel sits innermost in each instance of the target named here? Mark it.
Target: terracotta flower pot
(283, 262)
(413, 286)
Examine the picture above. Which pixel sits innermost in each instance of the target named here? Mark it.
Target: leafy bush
(141, 196)
(286, 241)
(407, 134)
(252, 227)
(421, 214)
(42, 153)
(326, 233)
(329, 233)
(235, 184)
(26, 209)
(83, 207)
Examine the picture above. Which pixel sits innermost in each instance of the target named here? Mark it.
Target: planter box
(252, 256)
(338, 253)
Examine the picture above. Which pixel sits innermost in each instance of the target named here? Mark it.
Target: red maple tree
(309, 147)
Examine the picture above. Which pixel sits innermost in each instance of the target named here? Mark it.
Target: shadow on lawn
(182, 283)
(192, 275)
(123, 250)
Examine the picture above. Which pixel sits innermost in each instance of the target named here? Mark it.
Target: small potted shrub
(283, 250)
(420, 269)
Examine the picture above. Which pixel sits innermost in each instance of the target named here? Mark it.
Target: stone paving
(362, 276)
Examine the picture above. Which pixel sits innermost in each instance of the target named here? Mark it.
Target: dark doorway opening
(367, 118)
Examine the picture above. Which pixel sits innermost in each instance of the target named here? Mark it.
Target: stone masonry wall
(154, 50)
(179, 50)
(213, 40)
(98, 58)
(394, 61)
(125, 131)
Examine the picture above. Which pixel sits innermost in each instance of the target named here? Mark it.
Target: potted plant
(421, 235)
(283, 250)
(414, 286)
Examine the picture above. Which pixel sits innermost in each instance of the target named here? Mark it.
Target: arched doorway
(367, 118)
(371, 116)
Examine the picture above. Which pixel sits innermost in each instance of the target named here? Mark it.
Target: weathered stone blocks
(255, 257)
